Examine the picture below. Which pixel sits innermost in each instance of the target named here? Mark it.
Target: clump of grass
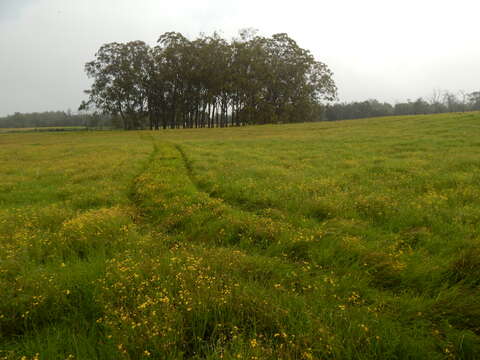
(95, 231)
(465, 269)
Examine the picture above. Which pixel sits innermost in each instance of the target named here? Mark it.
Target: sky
(389, 50)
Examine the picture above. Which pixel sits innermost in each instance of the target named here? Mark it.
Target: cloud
(12, 9)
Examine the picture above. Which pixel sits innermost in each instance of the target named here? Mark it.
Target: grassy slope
(356, 239)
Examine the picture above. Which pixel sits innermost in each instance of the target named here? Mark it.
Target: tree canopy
(208, 81)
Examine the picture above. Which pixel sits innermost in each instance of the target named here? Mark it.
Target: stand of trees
(208, 82)
(439, 102)
(56, 119)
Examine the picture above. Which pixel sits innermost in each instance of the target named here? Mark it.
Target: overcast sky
(385, 49)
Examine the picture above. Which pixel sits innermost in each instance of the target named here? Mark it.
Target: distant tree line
(208, 82)
(57, 119)
(438, 102)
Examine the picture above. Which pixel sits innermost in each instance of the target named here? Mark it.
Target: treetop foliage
(208, 81)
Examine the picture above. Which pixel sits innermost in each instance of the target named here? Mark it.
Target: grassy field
(347, 240)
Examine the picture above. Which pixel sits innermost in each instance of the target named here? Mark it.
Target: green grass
(347, 240)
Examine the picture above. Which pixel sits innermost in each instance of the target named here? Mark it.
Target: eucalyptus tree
(120, 75)
(296, 83)
(474, 100)
(173, 49)
(249, 76)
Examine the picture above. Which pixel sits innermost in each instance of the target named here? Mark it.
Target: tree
(420, 106)
(121, 77)
(450, 101)
(474, 100)
(436, 101)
